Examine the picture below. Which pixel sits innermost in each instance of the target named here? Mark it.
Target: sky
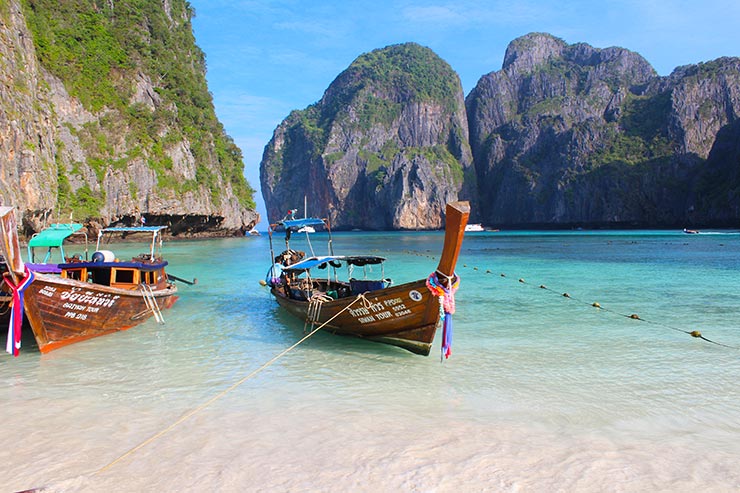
(266, 58)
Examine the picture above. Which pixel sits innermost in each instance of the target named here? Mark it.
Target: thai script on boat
(89, 298)
(394, 307)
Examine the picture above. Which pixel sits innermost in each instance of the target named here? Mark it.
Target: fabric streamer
(446, 307)
(13, 344)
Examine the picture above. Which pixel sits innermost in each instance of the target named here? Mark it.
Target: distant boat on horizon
(474, 227)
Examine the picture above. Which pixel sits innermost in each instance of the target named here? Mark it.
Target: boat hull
(405, 315)
(65, 311)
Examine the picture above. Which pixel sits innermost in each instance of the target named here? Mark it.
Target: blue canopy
(146, 266)
(311, 262)
(296, 224)
(133, 229)
(155, 230)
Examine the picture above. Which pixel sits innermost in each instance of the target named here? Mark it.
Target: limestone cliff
(128, 131)
(570, 135)
(385, 148)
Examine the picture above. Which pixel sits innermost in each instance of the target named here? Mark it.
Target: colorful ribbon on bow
(446, 307)
(13, 345)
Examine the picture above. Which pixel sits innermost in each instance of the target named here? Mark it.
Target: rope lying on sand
(227, 390)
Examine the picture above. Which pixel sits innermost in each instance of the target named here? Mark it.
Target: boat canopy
(132, 229)
(53, 237)
(296, 224)
(154, 230)
(363, 260)
(311, 262)
(144, 266)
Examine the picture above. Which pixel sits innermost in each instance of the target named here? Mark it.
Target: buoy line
(227, 390)
(633, 316)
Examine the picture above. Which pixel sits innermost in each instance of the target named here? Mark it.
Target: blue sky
(267, 58)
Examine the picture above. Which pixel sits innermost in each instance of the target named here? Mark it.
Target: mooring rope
(633, 316)
(186, 416)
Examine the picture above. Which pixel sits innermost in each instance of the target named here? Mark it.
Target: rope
(226, 391)
(633, 316)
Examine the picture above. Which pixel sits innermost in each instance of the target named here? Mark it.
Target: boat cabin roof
(54, 235)
(132, 229)
(154, 230)
(296, 224)
(52, 238)
(311, 262)
(144, 266)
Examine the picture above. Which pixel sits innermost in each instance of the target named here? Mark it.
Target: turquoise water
(542, 392)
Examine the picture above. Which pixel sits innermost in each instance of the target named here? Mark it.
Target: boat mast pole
(269, 235)
(331, 245)
(154, 242)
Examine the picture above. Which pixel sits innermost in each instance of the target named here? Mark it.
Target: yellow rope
(694, 333)
(632, 316)
(226, 391)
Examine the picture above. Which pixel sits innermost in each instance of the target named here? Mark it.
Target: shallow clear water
(542, 393)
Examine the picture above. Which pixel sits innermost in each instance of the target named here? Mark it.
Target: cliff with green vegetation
(571, 135)
(105, 116)
(562, 136)
(385, 148)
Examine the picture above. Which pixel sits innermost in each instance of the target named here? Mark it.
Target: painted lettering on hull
(78, 303)
(390, 308)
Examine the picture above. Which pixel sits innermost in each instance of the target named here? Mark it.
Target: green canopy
(54, 235)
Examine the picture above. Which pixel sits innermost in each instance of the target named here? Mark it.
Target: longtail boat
(87, 298)
(405, 315)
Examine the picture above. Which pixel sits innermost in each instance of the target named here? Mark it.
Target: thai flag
(447, 336)
(13, 344)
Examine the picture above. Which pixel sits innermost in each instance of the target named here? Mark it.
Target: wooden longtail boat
(90, 298)
(406, 315)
